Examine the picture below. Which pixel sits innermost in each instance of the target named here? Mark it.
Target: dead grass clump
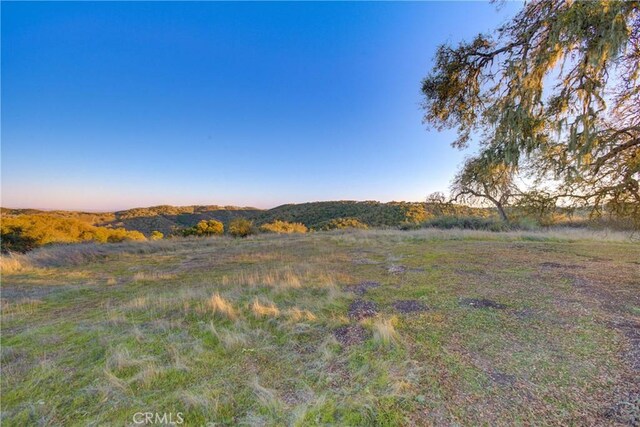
(13, 263)
(265, 396)
(147, 374)
(274, 279)
(142, 276)
(221, 306)
(194, 400)
(121, 358)
(384, 330)
(264, 310)
(298, 315)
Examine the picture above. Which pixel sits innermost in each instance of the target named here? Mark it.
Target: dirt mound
(360, 309)
(481, 303)
(363, 287)
(409, 306)
(350, 335)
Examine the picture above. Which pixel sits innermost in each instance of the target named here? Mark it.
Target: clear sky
(115, 105)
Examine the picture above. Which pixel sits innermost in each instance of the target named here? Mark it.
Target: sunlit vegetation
(283, 227)
(241, 227)
(27, 229)
(209, 227)
(25, 232)
(156, 235)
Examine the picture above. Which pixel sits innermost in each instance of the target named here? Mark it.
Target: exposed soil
(295, 397)
(361, 309)
(501, 378)
(631, 330)
(397, 269)
(350, 335)
(363, 287)
(481, 303)
(409, 306)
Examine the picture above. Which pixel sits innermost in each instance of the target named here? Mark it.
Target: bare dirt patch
(627, 410)
(397, 269)
(409, 306)
(350, 335)
(502, 379)
(363, 287)
(481, 303)
(361, 309)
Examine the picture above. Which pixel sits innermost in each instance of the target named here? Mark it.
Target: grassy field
(390, 328)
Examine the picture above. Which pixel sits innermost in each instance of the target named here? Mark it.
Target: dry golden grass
(298, 315)
(152, 276)
(221, 306)
(13, 263)
(260, 310)
(275, 278)
(384, 330)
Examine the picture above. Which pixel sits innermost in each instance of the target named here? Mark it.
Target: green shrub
(241, 227)
(156, 235)
(343, 223)
(283, 227)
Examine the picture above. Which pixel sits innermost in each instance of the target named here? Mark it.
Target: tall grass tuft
(384, 330)
(221, 306)
(264, 310)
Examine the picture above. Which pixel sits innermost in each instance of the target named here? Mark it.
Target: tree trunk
(501, 211)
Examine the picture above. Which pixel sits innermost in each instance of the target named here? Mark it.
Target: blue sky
(115, 105)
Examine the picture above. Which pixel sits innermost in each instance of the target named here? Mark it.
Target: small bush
(343, 223)
(283, 227)
(156, 235)
(241, 227)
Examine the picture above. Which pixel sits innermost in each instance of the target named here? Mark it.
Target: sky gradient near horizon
(113, 105)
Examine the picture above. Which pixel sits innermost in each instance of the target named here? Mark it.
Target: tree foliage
(241, 227)
(480, 178)
(209, 228)
(555, 94)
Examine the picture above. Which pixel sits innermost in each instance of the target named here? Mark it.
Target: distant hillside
(170, 219)
(315, 215)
